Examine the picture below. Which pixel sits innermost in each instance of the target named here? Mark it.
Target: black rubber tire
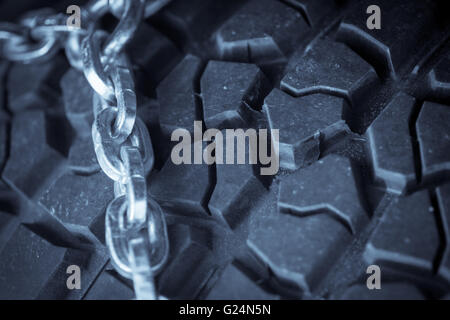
(364, 120)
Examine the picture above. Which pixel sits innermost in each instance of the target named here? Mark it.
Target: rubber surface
(364, 120)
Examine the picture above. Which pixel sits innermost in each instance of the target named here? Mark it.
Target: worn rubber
(364, 120)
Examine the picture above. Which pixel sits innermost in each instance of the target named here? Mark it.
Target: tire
(364, 179)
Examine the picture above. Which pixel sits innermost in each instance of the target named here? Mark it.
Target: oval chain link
(107, 148)
(21, 45)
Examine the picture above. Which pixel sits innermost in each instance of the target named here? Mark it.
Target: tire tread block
(412, 21)
(233, 284)
(297, 250)
(262, 31)
(176, 96)
(314, 190)
(4, 136)
(82, 157)
(183, 188)
(192, 23)
(407, 236)
(77, 98)
(433, 133)
(189, 266)
(303, 123)
(32, 161)
(153, 59)
(91, 264)
(235, 192)
(332, 68)
(226, 87)
(108, 287)
(8, 223)
(34, 86)
(4, 65)
(78, 202)
(33, 268)
(439, 79)
(391, 146)
(313, 10)
(443, 198)
(389, 291)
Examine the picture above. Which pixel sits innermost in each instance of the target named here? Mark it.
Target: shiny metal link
(143, 279)
(157, 236)
(96, 8)
(115, 85)
(31, 53)
(136, 185)
(92, 11)
(119, 189)
(50, 26)
(138, 258)
(153, 6)
(70, 36)
(107, 148)
(21, 44)
(125, 97)
(37, 17)
(122, 86)
(44, 25)
(73, 49)
(118, 236)
(127, 26)
(93, 68)
(97, 61)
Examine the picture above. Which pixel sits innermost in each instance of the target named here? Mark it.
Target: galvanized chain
(136, 232)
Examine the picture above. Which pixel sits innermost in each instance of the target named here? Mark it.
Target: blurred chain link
(136, 232)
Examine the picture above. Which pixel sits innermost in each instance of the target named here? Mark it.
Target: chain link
(21, 45)
(136, 232)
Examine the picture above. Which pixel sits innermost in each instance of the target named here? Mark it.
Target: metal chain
(136, 232)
